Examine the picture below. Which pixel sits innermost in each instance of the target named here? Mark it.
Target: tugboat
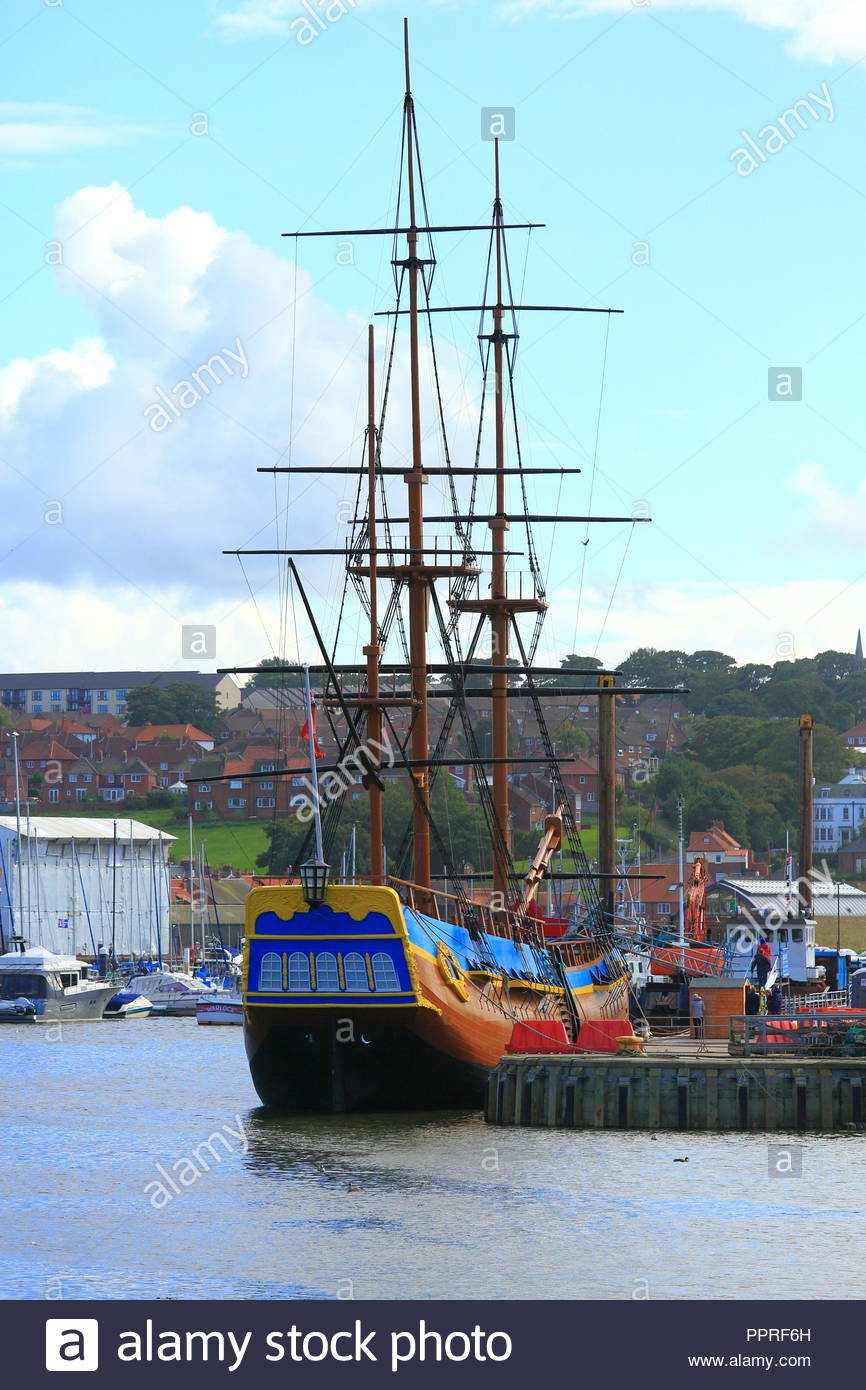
(392, 992)
(40, 986)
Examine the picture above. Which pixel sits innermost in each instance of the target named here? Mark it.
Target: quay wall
(696, 1093)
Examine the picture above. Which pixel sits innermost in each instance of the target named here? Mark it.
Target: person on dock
(774, 1003)
(752, 1001)
(762, 962)
(697, 1016)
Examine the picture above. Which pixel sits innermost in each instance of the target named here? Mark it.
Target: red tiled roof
(150, 732)
(715, 840)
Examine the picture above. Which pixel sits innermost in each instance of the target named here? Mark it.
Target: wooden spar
(373, 652)
(417, 582)
(804, 862)
(499, 616)
(549, 844)
(607, 788)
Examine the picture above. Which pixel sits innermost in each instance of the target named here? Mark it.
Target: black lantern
(314, 880)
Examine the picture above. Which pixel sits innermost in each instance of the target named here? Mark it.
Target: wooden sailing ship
(396, 992)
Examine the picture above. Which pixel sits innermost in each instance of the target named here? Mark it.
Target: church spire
(858, 652)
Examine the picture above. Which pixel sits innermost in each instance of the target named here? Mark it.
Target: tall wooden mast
(499, 615)
(415, 480)
(373, 652)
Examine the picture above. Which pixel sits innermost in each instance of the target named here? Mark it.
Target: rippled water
(423, 1206)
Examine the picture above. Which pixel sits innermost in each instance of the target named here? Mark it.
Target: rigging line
(259, 615)
(592, 480)
(629, 535)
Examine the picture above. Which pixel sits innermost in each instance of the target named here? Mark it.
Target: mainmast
(373, 651)
(415, 480)
(499, 615)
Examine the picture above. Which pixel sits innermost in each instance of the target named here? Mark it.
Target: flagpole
(314, 774)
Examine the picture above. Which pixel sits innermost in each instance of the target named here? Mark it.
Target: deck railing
(812, 1034)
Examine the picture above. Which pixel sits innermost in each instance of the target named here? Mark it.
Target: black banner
(428, 1344)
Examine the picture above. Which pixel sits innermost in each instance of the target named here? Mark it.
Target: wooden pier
(686, 1090)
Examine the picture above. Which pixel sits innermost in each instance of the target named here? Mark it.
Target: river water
(99, 1125)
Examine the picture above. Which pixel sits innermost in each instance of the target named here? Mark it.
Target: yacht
(37, 985)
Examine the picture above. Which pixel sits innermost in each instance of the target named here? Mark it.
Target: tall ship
(402, 987)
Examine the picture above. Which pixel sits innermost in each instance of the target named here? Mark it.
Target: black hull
(302, 1069)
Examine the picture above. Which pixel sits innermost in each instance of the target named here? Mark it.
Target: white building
(75, 884)
(838, 812)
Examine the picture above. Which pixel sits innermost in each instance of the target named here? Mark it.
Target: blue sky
(159, 151)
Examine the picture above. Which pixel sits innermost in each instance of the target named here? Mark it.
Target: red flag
(305, 734)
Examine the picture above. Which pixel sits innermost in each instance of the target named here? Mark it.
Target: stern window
(299, 973)
(270, 974)
(384, 973)
(356, 974)
(327, 976)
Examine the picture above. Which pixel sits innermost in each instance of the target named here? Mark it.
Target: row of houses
(101, 692)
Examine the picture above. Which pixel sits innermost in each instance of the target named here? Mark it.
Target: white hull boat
(228, 1009)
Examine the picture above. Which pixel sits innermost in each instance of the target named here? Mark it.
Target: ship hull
(385, 1068)
(367, 1005)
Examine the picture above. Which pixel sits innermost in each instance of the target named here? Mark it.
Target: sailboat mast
(415, 481)
(499, 617)
(373, 652)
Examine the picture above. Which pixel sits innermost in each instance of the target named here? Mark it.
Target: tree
(570, 738)
(5, 718)
(834, 666)
(578, 663)
(648, 666)
(716, 802)
(264, 678)
(182, 702)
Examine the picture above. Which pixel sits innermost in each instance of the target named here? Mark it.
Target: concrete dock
(679, 1090)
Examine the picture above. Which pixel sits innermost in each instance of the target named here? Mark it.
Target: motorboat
(171, 992)
(127, 1004)
(38, 985)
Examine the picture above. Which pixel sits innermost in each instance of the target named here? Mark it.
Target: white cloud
(822, 29)
(834, 515)
(43, 127)
(753, 622)
(96, 506)
(255, 19)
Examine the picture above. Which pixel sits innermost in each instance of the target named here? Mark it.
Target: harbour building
(69, 884)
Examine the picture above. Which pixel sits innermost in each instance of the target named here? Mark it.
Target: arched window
(327, 975)
(356, 974)
(299, 973)
(271, 974)
(385, 973)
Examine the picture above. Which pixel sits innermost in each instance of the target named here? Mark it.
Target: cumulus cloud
(103, 494)
(822, 29)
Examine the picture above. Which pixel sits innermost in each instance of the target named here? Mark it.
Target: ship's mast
(373, 652)
(499, 615)
(415, 480)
